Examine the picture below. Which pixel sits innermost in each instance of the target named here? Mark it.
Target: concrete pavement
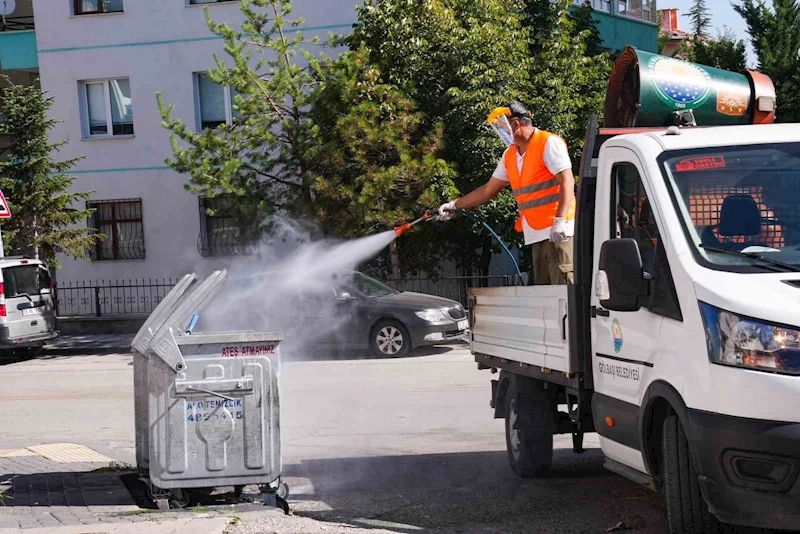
(400, 445)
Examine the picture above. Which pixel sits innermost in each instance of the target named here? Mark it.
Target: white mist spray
(293, 292)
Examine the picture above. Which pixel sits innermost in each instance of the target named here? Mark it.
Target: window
(120, 221)
(599, 5)
(107, 108)
(739, 199)
(93, 7)
(214, 102)
(635, 220)
(645, 10)
(24, 280)
(228, 227)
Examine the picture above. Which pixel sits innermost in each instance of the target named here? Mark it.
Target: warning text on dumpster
(234, 351)
(209, 410)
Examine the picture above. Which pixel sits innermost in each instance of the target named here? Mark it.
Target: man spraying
(537, 166)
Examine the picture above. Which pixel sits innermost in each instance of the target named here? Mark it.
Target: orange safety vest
(536, 189)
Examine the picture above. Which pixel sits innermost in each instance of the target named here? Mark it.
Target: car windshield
(368, 286)
(740, 205)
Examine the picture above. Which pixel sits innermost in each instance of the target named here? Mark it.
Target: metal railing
(107, 297)
(131, 297)
(455, 287)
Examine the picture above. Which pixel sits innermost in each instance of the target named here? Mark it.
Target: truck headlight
(432, 316)
(745, 342)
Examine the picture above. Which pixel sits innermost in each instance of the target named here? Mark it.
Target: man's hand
(447, 211)
(558, 233)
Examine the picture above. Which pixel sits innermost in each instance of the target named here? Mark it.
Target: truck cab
(679, 343)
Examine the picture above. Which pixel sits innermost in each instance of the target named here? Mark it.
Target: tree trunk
(394, 258)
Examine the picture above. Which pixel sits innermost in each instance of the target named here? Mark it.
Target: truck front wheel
(687, 511)
(530, 410)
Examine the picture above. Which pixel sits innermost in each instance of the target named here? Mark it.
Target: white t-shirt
(557, 160)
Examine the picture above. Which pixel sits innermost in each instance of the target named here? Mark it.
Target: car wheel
(530, 410)
(390, 339)
(687, 511)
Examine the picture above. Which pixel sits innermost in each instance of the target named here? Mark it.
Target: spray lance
(432, 215)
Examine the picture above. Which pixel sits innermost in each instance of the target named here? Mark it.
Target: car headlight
(432, 316)
(750, 343)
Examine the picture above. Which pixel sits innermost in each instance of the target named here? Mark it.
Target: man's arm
(482, 194)
(566, 194)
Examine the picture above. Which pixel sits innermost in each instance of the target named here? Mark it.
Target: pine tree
(775, 36)
(700, 16)
(726, 52)
(376, 163)
(261, 157)
(44, 212)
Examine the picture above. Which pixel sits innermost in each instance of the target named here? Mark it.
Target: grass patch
(201, 509)
(114, 467)
(141, 512)
(235, 520)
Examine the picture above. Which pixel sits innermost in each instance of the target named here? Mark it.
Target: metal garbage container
(207, 404)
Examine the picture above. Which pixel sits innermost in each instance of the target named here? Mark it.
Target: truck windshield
(740, 205)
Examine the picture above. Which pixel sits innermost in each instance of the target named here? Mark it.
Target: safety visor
(498, 120)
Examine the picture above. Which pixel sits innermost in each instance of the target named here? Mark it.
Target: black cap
(519, 110)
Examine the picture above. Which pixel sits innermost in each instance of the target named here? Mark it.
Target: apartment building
(104, 61)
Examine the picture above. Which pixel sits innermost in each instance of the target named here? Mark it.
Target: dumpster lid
(230, 338)
(173, 299)
(169, 327)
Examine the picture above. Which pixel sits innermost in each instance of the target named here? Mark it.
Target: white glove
(447, 211)
(558, 233)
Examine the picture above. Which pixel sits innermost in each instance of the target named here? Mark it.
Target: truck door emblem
(616, 331)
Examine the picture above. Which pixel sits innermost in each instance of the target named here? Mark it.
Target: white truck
(679, 343)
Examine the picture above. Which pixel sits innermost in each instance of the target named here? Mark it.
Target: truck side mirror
(621, 281)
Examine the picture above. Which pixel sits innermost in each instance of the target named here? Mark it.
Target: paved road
(407, 445)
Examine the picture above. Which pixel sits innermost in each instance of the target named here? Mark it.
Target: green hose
(502, 243)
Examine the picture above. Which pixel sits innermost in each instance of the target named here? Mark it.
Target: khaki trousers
(552, 263)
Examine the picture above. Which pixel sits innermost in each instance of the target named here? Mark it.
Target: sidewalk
(120, 343)
(65, 488)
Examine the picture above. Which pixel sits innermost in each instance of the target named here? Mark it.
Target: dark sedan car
(397, 321)
(346, 311)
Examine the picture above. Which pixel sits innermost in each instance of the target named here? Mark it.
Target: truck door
(624, 343)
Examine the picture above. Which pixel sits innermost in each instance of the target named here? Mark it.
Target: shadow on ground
(471, 492)
(343, 354)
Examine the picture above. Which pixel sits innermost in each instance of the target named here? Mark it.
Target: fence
(121, 297)
(454, 287)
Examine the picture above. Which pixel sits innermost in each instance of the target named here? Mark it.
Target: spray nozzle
(400, 230)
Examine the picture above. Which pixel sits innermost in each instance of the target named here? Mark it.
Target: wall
(158, 45)
(618, 32)
(18, 50)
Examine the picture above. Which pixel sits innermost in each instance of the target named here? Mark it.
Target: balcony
(18, 39)
(626, 22)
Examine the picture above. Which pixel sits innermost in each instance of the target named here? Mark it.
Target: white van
(27, 309)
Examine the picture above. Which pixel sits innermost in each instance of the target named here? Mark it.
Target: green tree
(36, 185)
(700, 16)
(262, 157)
(375, 164)
(458, 60)
(567, 83)
(725, 52)
(583, 21)
(775, 36)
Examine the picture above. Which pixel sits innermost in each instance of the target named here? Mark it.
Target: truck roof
(719, 136)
